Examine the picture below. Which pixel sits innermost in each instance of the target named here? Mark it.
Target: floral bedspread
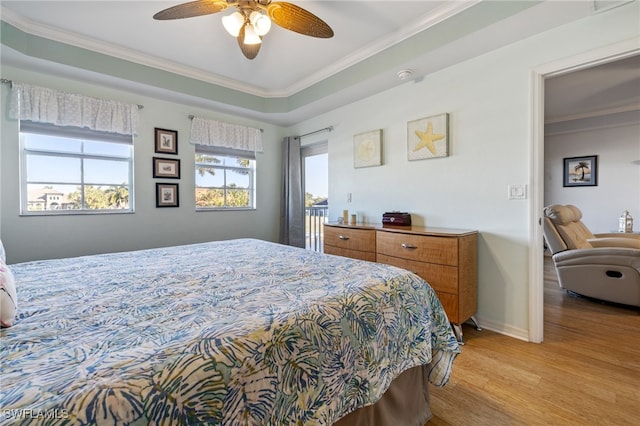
(239, 332)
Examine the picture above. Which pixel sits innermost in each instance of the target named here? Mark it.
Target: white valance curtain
(225, 135)
(44, 105)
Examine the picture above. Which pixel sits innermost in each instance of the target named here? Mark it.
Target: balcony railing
(314, 219)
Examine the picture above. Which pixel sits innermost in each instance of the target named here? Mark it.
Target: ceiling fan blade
(295, 18)
(192, 9)
(250, 51)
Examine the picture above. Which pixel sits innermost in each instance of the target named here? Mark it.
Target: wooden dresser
(357, 242)
(446, 258)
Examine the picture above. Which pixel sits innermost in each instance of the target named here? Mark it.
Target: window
(74, 170)
(225, 178)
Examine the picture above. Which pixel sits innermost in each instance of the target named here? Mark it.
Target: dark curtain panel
(291, 211)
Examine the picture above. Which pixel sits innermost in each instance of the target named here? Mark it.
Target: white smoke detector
(404, 74)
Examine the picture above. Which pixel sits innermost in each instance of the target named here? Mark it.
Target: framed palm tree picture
(580, 171)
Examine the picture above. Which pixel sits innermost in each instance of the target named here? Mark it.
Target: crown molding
(440, 14)
(81, 41)
(591, 114)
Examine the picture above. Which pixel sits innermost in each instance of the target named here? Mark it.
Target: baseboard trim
(507, 330)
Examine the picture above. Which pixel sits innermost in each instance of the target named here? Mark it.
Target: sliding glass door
(315, 163)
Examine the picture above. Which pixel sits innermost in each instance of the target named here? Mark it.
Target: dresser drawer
(350, 238)
(424, 248)
(354, 254)
(440, 277)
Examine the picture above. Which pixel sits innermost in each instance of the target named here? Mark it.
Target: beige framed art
(367, 149)
(168, 168)
(166, 141)
(167, 195)
(428, 137)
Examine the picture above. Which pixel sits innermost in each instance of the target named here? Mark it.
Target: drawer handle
(343, 237)
(408, 246)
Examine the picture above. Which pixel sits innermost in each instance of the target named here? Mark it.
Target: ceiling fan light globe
(250, 35)
(232, 23)
(261, 23)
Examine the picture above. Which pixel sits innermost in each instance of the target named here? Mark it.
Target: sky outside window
(317, 175)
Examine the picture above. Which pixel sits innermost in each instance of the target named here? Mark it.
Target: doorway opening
(536, 262)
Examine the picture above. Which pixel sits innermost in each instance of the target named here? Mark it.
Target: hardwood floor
(586, 372)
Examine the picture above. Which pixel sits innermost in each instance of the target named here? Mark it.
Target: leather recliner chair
(601, 266)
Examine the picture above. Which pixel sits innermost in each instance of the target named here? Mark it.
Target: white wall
(42, 237)
(618, 189)
(489, 101)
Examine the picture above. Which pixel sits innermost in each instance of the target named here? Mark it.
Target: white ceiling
(288, 63)
(200, 46)
(612, 87)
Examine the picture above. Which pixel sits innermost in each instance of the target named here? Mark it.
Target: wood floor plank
(586, 372)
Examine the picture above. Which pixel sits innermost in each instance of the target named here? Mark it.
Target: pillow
(3, 255)
(8, 296)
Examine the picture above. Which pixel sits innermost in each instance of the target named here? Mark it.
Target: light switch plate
(517, 192)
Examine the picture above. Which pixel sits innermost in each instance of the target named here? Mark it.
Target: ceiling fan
(252, 19)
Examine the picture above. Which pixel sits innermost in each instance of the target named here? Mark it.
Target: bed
(238, 332)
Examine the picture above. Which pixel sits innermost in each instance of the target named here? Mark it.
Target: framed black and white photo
(166, 141)
(168, 168)
(167, 195)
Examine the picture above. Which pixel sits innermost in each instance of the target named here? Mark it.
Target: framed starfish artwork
(367, 149)
(428, 137)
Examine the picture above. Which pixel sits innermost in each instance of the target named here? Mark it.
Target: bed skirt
(405, 403)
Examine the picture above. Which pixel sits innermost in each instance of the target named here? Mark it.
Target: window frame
(80, 135)
(226, 152)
